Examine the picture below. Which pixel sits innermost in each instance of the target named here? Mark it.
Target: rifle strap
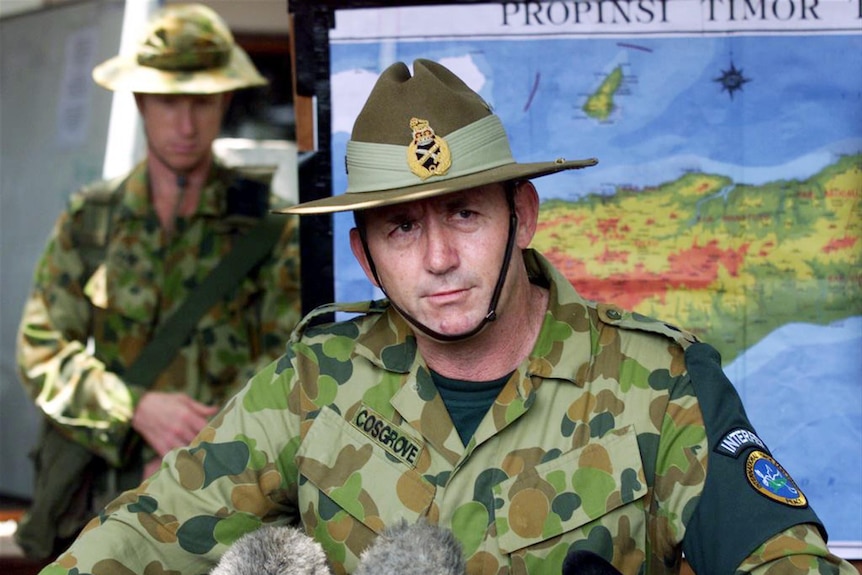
(170, 336)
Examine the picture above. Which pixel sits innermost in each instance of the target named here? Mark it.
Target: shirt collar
(562, 350)
(136, 200)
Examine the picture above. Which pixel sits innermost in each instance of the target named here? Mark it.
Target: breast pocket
(566, 497)
(354, 483)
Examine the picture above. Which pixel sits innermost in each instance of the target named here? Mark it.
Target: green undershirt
(467, 401)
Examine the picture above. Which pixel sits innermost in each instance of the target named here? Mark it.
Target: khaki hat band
(476, 147)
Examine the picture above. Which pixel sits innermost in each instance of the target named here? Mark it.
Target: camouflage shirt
(81, 327)
(598, 440)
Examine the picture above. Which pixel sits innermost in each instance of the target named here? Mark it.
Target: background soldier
(127, 343)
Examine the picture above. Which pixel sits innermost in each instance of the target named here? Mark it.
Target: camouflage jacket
(597, 441)
(82, 327)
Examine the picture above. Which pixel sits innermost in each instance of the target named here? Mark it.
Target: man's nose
(441, 254)
(186, 123)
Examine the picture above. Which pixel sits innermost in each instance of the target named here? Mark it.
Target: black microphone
(273, 550)
(582, 562)
(413, 549)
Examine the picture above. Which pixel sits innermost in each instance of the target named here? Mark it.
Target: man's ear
(361, 256)
(527, 210)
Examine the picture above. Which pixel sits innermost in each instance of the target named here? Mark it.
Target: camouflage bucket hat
(186, 49)
(423, 136)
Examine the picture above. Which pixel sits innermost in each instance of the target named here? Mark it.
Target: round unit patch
(770, 479)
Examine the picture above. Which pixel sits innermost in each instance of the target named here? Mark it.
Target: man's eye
(405, 227)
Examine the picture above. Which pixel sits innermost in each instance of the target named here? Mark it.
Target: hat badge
(428, 154)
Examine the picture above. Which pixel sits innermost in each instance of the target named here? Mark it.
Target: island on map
(731, 263)
(600, 103)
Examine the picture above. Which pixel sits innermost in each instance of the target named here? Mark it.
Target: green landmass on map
(600, 104)
(728, 262)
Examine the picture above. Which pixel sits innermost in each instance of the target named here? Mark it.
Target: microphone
(413, 549)
(273, 550)
(583, 562)
(402, 549)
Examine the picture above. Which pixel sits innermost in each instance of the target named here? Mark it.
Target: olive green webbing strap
(170, 336)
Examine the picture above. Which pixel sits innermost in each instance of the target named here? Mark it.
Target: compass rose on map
(731, 80)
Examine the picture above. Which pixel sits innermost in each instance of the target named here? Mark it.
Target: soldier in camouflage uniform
(124, 257)
(483, 394)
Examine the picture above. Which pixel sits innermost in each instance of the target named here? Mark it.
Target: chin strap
(498, 288)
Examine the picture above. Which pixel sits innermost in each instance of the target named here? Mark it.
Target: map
(709, 252)
(727, 200)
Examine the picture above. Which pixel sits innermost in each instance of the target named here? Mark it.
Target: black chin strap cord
(498, 288)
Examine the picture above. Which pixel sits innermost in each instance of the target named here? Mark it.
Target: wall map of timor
(727, 199)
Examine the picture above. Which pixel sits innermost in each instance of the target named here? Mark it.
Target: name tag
(387, 435)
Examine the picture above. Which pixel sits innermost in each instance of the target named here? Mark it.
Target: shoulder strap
(614, 315)
(249, 195)
(92, 231)
(355, 308)
(169, 337)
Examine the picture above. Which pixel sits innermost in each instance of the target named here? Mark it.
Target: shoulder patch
(738, 440)
(615, 315)
(769, 479)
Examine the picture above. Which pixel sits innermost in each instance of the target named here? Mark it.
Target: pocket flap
(359, 476)
(570, 491)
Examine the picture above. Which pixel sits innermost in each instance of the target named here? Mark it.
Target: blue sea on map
(816, 441)
(797, 108)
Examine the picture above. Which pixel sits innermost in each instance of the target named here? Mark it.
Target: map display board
(727, 195)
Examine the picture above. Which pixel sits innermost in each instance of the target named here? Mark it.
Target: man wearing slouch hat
(549, 431)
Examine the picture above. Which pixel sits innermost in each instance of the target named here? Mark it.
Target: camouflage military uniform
(115, 308)
(598, 440)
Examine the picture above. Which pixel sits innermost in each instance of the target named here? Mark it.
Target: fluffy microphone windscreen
(413, 549)
(273, 550)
